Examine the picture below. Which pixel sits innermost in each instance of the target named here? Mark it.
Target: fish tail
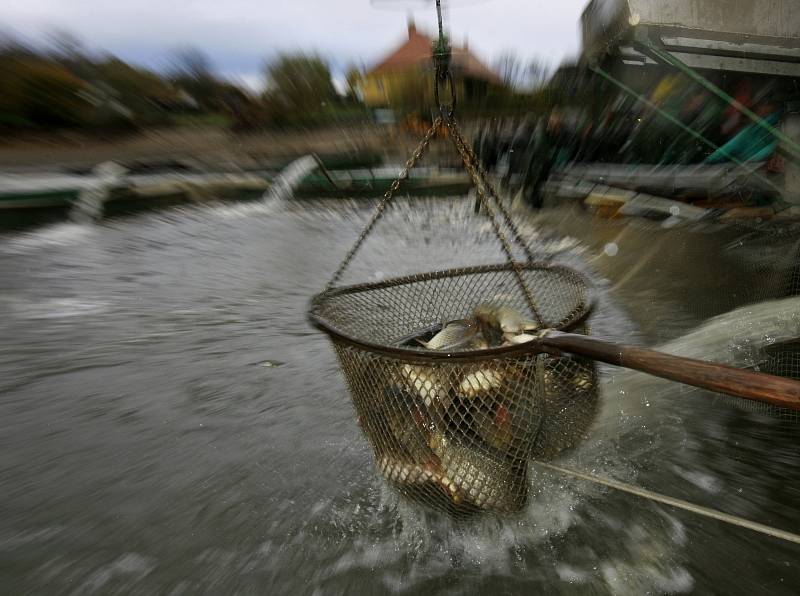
(530, 325)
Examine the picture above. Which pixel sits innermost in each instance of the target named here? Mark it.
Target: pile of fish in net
(455, 427)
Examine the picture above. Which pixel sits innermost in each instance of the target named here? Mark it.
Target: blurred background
(247, 88)
(178, 179)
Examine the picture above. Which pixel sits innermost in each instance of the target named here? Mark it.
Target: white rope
(679, 503)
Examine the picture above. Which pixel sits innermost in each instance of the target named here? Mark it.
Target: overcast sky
(238, 35)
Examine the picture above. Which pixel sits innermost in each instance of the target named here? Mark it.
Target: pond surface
(171, 424)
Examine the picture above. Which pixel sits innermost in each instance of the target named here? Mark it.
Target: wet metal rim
(578, 314)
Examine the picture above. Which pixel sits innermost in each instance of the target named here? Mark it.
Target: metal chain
(474, 168)
(441, 63)
(493, 193)
(478, 183)
(439, 18)
(387, 197)
(472, 164)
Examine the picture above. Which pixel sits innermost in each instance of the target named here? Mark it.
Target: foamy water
(48, 237)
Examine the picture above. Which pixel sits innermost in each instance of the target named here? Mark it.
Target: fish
(481, 382)
(571, 404)
(583, 380)
(409, 474)
(516, 339)
(497, 319)
(409, 427)
(401, 472)
(512, 321)
(479, 344)
(488, 482)
(495, 427)
(416, 335)
(456, 335)
(429, 383)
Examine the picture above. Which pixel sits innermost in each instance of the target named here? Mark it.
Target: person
(517, 157)
(488, 146)
(542, 152)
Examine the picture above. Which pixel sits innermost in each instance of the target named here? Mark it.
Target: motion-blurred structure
(170, 423)
(408, 69)
(691, 100)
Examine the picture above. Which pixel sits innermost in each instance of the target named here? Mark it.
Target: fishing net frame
(456, 430)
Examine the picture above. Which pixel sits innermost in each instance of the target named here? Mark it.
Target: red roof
(416, 52)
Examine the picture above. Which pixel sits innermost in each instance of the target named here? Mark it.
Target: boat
(31, 199)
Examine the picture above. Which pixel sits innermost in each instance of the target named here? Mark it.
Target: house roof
(416, 53)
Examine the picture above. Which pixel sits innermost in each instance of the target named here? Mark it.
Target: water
(170, 424)
(291, 176)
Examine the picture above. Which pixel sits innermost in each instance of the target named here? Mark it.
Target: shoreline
(208, 145)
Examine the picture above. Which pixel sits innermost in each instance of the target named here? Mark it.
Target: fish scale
(489, 482)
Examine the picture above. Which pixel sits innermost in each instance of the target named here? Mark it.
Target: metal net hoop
(455, 431)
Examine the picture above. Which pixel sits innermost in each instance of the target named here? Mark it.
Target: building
(404, 77)
(750, 36)
(747, 49)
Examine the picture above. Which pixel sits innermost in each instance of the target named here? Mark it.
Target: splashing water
(146, 449)
(284, 184)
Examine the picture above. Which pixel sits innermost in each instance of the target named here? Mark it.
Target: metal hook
(446, 111)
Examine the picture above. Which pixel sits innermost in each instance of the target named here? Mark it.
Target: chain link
(479, 183)
(479, 180)
(439, 18)
(493, 193)
(441, 63)
(387, 197)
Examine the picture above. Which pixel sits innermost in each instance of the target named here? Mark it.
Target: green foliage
(36, 91)
(212, 120)
(130, 81)
(354, 78)
(191, 71)
(299, 90)
(191, 63)
(68, 87)
(139, 90)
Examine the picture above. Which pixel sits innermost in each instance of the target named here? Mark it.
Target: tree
(68, 50)
(11, 45)
(192, 71)
(299, 86)
(37, 92)
(191, 63)
(139, 90)
(66, 46)
(536, 74)
(510, 69)
(354, 77)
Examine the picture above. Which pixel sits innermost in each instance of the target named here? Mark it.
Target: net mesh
(783, 360)
(455, 431)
